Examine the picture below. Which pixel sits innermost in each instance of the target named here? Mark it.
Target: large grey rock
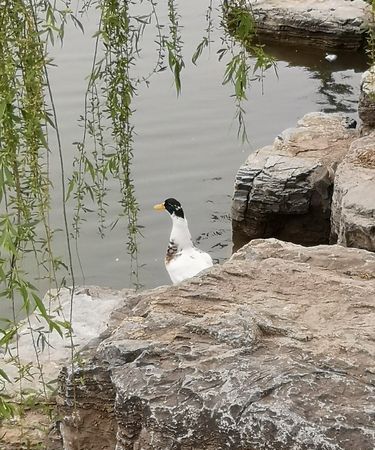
(331, 24)
(353, 202)
(285, 190)
(272, 350)
(366, 106)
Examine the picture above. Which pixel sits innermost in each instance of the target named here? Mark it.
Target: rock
(366, 106)
(285, 190)
(91, 309)
(272, 350)
(330, 24)
(353, 203)
(35, 429)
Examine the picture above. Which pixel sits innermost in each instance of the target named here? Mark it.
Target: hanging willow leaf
(199, 50)
(4, 375)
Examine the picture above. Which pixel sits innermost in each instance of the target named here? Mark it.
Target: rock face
(272, 350)
(331, 24)
(353, 202)
(91, 309)
(285, 190)
(366, 107)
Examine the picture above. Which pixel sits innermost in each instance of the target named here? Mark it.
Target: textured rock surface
(91, 309)
(35, 430)
(285, 190)
(353, 202)
(331, 24)
(366, 106)
(273, 350)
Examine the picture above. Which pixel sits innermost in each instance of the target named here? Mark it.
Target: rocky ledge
(331, 24)
(314, 185)
(272, 350)
(284, 190)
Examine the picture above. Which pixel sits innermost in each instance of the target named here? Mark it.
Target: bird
(182, 260)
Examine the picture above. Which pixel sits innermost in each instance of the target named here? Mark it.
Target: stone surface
(285, 190)
(35, 430)
(366, 106)
(353, 202)
(272, 350)
(91, 309)
(331, 24)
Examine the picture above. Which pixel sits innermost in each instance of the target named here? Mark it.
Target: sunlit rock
(272, 350)
(353, 203)
(285, 190)
(330, 24)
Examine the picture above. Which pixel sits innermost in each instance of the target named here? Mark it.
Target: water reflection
(335, 86)
(335, 94)
(313, 59)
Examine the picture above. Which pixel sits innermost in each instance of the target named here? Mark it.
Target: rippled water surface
(187, 147)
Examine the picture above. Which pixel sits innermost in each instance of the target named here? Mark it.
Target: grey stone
(330, 24)
(272, 350)
(285, 190)
(92, 307)
(366, 106)
(353, 202)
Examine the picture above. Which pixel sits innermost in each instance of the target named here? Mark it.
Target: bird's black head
(173, 206)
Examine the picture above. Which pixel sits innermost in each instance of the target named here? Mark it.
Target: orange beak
(159, 207)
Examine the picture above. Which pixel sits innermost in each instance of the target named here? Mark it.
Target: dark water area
(335, 86)
(187, 147)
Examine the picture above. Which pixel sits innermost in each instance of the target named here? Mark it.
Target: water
(187, 147)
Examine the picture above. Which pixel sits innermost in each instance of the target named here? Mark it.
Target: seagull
(183, 260)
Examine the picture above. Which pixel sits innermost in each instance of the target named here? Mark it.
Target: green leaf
(39, 304)
(7, 410)
(199, 50)
(3, 106)
(77, 23)
(4, 375)
(25, 297)
(177, 79)
(8, 336)
(71, 185)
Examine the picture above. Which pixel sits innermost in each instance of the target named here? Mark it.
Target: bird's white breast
(187, 263)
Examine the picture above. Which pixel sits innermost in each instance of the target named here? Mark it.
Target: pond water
(187, 147)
